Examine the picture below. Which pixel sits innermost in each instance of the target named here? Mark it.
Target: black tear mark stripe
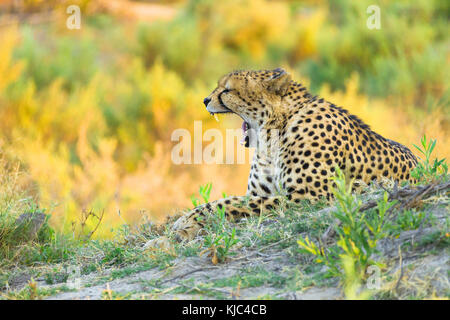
(220, 98)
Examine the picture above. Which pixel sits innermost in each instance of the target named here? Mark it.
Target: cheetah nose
(206, 101)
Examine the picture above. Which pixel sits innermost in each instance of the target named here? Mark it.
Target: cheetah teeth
(216, 117)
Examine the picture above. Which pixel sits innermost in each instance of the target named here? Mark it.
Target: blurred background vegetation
(88, 114)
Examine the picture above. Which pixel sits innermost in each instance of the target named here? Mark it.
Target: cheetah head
(253, 95)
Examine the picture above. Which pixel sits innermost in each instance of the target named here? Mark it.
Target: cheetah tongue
(245, 127)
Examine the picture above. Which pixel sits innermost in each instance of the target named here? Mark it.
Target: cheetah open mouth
(245, 141)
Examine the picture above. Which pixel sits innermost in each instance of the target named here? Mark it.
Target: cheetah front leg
(191, 224)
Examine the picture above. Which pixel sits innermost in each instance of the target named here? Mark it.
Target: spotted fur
(299, 140)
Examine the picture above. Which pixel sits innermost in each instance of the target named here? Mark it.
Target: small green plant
(204, 192)
(358, 234)
(408, 220)
(219, 238)
(219, 245)
(428, 170)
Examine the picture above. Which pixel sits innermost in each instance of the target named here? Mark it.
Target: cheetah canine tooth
(216, 117)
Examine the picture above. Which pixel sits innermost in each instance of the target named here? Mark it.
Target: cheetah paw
(186, 228)
(159, 243)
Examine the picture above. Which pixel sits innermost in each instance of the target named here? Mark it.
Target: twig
(188, 273)
(97, 225)
(263, 248)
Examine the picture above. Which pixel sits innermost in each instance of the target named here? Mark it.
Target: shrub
(358, 234)
(428, 170)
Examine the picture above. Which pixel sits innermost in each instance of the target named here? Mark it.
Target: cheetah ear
(278, 83)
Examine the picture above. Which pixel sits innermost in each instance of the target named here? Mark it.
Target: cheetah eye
(226, 90)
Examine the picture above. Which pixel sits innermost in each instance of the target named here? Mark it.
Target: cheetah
(300, 139)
